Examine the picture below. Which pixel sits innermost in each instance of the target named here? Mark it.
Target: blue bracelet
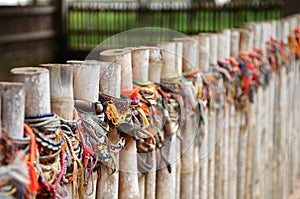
(39, 116)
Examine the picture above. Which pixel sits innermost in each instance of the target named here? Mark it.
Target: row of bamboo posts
(241, 151)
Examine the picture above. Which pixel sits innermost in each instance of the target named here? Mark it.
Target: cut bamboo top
(190, 54)
(213, 47)
(110, 79)
(155, 64)
(122, 57)
(168, 50)
(227, 34)
(61, 89)
(37, 88)
(86, 79)
(235, 41)
(140, 64)
(12, 99)
(204, 59)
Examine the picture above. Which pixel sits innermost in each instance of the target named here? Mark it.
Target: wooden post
(86, 87)
(12, 108)
(110, 84)
(37, 89)
(128, 176)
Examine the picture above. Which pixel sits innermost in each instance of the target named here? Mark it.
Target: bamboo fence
(233, 141)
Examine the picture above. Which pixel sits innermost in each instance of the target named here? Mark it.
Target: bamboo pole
(155, 64)
(61, 89)
(150, 180)
(213, 49)
(234, 44)
(86, 87)
(110, 83)
(122, 57)
(169, 59)
(258, 143)
(61, 94)
(227, 43)
(233, 133)
(290, 136)
(204, 50)
(269, 162)
(195, 119)
(163, 177)
(211, 144)
(233, 150)
(250, 126)
(140, 67)
(128, 175)
(219, 143)
(249, 157)
(37, 91)
(190, 54)
(12, 108)
(295, 109)
(246, 39)
(176, 154)
(204, 42)
(256, 29)
(242, 144)
(212, 123)
(226, 151)
(178, 167)
(189, 172)
(178, 55)
(222, 39)
(203, 157)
